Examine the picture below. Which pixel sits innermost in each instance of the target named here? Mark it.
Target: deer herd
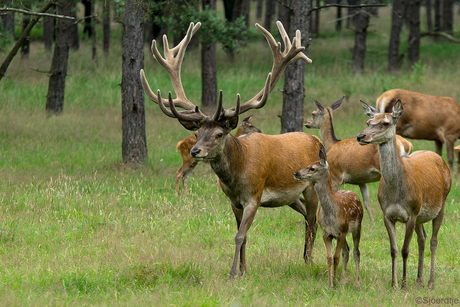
(300, 170)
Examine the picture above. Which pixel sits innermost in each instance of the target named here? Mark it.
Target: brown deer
(349, 162)
(188, 164)
(339, 213)
(425, 117)
(256, 169)
(412, 190)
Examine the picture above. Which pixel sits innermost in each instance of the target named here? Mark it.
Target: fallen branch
(40, 71)
(345, 6)
(443, 34)
(35, 13)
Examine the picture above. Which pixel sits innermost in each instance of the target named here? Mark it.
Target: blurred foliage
(176, 16)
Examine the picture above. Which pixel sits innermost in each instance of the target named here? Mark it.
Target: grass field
(78, 228)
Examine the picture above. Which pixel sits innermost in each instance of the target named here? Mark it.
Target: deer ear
(247, 119)
(318, 105)
(322, 156)
(337, 104)
(370, 111)
(192, 126)
(397, 110)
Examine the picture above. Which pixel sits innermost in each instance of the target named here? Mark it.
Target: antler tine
(187, 115)
(293, 51)
(172, 62)
(165, 110)
(219, 109)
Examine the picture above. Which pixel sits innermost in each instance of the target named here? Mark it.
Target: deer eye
(219, 135)
(386, 124)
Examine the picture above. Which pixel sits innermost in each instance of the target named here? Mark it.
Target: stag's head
(382, 126)
(212, 131)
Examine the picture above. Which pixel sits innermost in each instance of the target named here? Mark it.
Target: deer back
(425, 116)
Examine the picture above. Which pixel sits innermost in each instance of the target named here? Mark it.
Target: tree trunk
(25, 48)
(448, 16)
(87, 29)
(208, 70)
(93, 37)
(48, 30)
(58, 71)
(399, 11)
(316, 31)
(429, 19)
(269, 13)
(294, 91)
(134, 144)
(260, 6)
(8, 21)
(414, 32)
(361, 22)
(241, 8)
(75, 40)
(338, 24)
(106, 28)
(437, 15)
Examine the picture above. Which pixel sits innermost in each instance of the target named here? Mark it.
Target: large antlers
(172, 62)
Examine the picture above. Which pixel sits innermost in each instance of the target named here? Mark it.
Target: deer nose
(360, 137)
(195, 152)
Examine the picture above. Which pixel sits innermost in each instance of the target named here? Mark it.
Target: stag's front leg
(244, 218)
(410, 226)
(391, 229)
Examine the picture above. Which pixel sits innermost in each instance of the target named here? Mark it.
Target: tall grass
(79, 228)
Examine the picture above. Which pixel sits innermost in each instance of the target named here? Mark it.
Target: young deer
(188, 164)
(256, 169)
(426, 117)
(339, 213)
(349, 162)
(412, 190)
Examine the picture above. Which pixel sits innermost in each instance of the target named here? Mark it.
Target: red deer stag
(349, 162)
(425, 117)
(186, 145)
(254, 170)
(339, 213)
(412, 190)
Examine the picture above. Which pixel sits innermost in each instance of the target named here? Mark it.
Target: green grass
(79, 228)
